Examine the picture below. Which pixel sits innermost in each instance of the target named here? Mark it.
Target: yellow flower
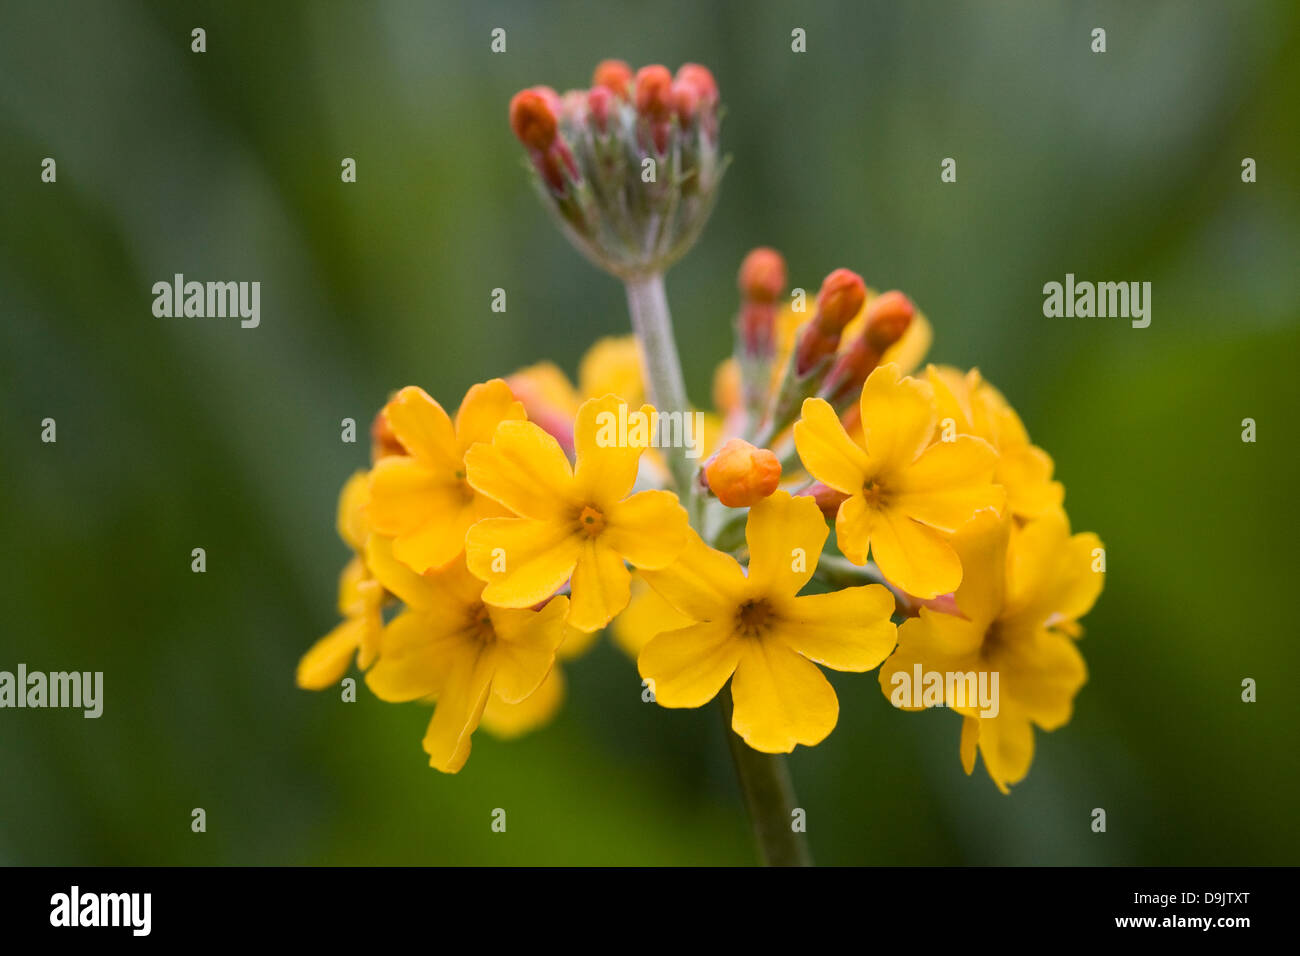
(758, 628)
(647, 615)
(977, 408)
(905, 494)
(422, 501)
(574, 523)
(361, 599)
(1022, 595)
(612, 365)
(448, 644)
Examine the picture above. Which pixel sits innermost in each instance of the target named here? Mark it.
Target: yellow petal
(848, 630)
(982, 549)
(1007, 743)
(524, 469)
(854, 525)
(415, 590)
(526, 644)
(934, 642)
(646, 615)
(427, 513)
(1026, 472)
(609, 446)
(417, 651)
(702, 583)
(914, 557)
(649, 528)
(612, 364)
(600, 587)
(508, 721)
(826, 449)
(949, 483)
(688, 666)
(898, 420)
(1051, 572)
(785, 537)
(523, 561)
(1042, 673)
(970, 736)
(423, 428)
(781, 699)
(352, 523)
(328, 659)
(484, 407)
(460, 707)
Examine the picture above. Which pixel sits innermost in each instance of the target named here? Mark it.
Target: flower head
(450, 645)
(423, 500)
(576, 524)
(1019, 601)
(757, 630)
(906, 495)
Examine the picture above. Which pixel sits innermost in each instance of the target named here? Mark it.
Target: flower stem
(653, 325)
(769, 797)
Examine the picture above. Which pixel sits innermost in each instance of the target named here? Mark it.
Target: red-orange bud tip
(700, 77)
(827, 498)
(600, 100)
(654, 91)
(888, 317)
(762, 275)
(613, 75)
(742, 475)
(532, 117)
(840, 299)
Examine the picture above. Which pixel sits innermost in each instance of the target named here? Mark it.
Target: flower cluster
(489, 545)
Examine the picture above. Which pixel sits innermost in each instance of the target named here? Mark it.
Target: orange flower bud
(532, 117)
(686, 102)
(762, 275)
(699, 77)
(741, 475)
(840, 299)
(654, 92)
(888, 317)
(613, 75)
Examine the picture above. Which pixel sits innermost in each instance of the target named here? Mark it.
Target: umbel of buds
(630, 167)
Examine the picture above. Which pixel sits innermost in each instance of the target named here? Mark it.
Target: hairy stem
(653, 326)
(769, 798)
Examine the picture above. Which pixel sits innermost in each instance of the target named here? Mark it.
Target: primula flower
(756, 629)
(448, 644)
(579, 523)
(361, 600)
(1020, 601)
(422, 500)
(905, 494)
(977, 408)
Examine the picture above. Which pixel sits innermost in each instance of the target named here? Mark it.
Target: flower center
(480, 623)
(754, 618)
(466, 492)
(591, 522)
(874, 493)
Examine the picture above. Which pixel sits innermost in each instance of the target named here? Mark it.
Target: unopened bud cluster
(630, 166)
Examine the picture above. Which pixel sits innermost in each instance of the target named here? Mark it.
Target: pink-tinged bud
(762, 275)
(615, 76)
(827, 498)
(533, 117)
(888, 318)
(742, 475)
(839, 300)
(573, 106)
(699, 77)
(654, 92)
(600, 101)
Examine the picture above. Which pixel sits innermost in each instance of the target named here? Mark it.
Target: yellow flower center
(591, 522)
(480, 623)
(754, 618)
(466, 492)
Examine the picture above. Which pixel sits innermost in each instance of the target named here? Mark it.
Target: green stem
(769, 798)
(653, 325)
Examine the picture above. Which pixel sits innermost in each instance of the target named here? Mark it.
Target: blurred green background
(183, 433)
